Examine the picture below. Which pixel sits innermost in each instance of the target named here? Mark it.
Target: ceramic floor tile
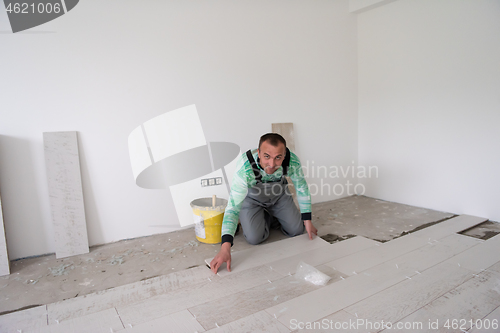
(266, 253)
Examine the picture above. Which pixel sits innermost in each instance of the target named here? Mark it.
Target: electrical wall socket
(211, 181)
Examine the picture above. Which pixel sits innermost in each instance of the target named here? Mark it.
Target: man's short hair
(273, 138)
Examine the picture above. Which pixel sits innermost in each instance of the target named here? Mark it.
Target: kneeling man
(260, 197)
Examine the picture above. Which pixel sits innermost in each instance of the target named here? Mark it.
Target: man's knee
(295, 230)
(254, 239)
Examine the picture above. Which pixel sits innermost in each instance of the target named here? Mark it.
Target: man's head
(272, 151)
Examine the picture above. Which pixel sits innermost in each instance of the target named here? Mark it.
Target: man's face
(271, 157)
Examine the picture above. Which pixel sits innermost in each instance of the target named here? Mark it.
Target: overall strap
(286, 162)
(255, 168)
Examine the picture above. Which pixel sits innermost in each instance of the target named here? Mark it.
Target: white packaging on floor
(310, 274)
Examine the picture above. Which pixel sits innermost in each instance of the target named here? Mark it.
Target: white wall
(106, 67)
(429, 103)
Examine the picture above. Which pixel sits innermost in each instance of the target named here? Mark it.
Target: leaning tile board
(66, 195)
(4, 256)
(286, 131)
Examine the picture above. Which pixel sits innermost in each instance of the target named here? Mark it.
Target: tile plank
(66, 195)
(340, 321)
(4, 256)
(450, 226)
(402, 299)
(258, 322)
(336, 296)
(362, 260)
(366, 283)
(323, 255)
(372, 257)
(479, 257)
(100, 322)
(286, 131)
(162, 305)
(435, 279)
(470, 301)
(182, 321)
(434, 253)
(225, 310)
(489, 324)
(263, 254)
(128, 294)
(26, 320)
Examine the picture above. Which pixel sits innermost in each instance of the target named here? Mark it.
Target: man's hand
(224, 255)
(311, 230)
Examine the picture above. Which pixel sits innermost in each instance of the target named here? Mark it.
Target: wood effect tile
(66, 195)
(489, 324)
(162, 305)
(448, 227)
(395, 251)
(400, 300)
(4, 256)
(100, 322)
(26, 320)
(182, 321)
(332, 298)
(128, 294)
(286, 131)
(372, 257)
(323, 254)
(227, 309)
(257, 322)
(318, 304)
(340, 322)
(266, 253)
(481, 256)
(434, 253)
(470, 301)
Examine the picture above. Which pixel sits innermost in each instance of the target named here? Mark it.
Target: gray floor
(45, 279)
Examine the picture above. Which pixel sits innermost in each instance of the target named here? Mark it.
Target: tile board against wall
(66, 195)
(286, 131)
(4, 256)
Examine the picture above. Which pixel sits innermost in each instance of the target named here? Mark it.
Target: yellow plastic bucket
(208, 214)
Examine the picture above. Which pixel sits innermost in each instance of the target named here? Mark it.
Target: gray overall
(265, 201)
